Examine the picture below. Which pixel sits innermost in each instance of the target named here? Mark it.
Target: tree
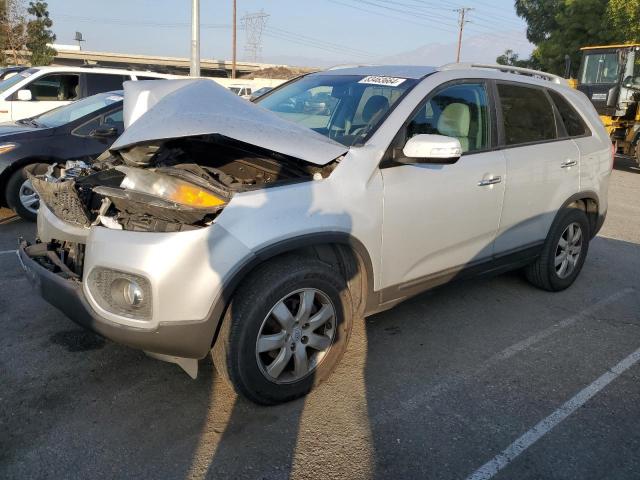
(39, 34)
(562, 27)
(509, 57)
(13, 31)
(624, 16)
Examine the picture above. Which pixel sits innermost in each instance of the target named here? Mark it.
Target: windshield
(75, 110)
(345, 108)
(7, 83)
(599, 68)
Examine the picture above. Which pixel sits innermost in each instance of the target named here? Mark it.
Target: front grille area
(63, 200)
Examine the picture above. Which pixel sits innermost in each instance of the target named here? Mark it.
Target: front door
(47, 92)
(439, 219)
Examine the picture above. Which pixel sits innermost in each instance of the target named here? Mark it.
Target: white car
(242, 91)
(39, 89)
(264, 231)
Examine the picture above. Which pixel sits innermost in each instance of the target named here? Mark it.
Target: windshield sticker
(386, 81)
(599, 96)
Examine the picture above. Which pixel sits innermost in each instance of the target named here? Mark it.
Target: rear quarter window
(527, 114)
(573, 123)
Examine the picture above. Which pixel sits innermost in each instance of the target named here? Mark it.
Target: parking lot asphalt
(487, 378)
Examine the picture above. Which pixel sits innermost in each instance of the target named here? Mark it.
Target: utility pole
(461, 21)
(194, 69)
(233, 65)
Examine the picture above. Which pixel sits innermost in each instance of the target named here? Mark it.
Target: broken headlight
(124, 294)
(169, 188)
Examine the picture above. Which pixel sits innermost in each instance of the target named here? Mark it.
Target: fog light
(127, 292)
(121, 293)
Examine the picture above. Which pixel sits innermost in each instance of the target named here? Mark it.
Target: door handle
(568, 163)
(489, 181)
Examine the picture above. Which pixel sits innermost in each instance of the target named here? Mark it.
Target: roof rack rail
(509, 69)
(352, 65)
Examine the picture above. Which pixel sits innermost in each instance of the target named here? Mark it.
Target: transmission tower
(253, 25)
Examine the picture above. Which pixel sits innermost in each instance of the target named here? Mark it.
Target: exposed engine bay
(168, 185)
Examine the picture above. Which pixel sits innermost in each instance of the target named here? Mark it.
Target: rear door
(542, 165)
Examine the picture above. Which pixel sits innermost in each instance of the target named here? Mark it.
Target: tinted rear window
(573, 123)
(527, 114)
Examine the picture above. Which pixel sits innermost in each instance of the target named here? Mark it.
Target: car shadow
(626, 164)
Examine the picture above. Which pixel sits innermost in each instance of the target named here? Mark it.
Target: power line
(388, 16)
(269, 31)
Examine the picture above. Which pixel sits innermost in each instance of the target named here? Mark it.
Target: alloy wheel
(28, 197)
(296, 335)
(568, 250)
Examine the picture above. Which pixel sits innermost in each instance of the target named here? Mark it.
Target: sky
(298, 32)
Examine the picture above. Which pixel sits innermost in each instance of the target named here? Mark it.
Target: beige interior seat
(454, 122)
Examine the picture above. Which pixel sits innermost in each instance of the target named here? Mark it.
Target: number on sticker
(385, 81)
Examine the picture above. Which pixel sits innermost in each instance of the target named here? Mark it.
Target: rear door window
(101, 82)
(527, 114)
(572, 121)
(55, 87)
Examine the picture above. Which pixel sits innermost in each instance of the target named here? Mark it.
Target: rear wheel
(21, 197)
(285, 330)
(564, 252)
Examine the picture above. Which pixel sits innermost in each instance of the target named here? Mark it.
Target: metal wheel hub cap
(296, 335)
(568, 250)
(28, 197)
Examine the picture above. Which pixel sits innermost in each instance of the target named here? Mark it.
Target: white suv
(39, 89)
(264, 231)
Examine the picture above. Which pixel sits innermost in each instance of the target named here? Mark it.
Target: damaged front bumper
(186, 288)
(187, 340)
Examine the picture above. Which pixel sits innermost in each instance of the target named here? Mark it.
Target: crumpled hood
(165, 109)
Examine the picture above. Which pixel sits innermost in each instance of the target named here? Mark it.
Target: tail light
(614, 150)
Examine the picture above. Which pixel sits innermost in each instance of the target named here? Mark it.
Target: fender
(270, 251)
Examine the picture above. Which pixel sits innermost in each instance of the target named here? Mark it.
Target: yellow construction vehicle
(610, 77)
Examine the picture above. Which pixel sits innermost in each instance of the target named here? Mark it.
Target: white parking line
(6, 252)
(417, 401)
(489, 469)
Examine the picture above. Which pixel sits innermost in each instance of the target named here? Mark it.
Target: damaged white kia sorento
(262, 232)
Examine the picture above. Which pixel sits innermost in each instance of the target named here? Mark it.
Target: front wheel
(285, 330)
(21, 197)
(564, 252)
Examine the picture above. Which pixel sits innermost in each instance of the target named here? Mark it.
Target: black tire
(13, 190)
(543, 272)
(235, 353)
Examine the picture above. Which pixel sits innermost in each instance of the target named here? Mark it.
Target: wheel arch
(589, 202)
(340, 250)
(13, 167)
